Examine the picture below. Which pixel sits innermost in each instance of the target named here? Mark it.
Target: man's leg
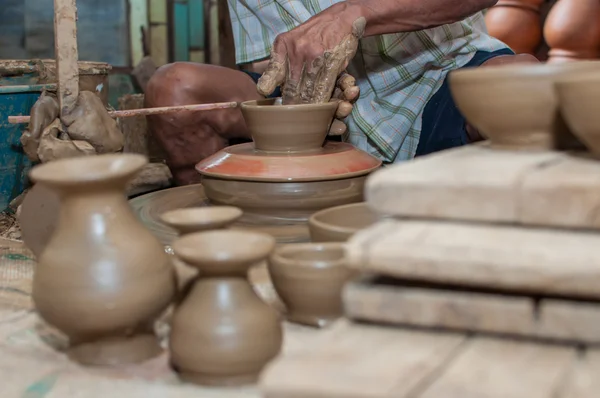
(443, 125)
(188, 137)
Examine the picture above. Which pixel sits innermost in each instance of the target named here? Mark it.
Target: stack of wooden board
(485, 283)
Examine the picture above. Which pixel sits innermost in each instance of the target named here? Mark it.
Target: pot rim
(278, 255)
(256, 106)
(214, 215)
(313, 220)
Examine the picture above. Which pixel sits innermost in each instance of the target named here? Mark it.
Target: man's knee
(177, 84)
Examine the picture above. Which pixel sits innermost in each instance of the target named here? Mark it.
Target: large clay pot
(223, 333)
(103, 278)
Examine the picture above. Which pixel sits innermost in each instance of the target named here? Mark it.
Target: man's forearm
(394, 16)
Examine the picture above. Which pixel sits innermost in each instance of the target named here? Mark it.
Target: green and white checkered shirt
(397, 73)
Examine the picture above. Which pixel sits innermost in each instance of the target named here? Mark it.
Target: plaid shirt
(397, 73)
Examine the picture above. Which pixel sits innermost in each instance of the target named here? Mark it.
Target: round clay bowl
(276, 127)
(197, 219)
(338, 224)
(579, 97)
(516, 106)
(223, 252)
(282, 202)
(309, 279)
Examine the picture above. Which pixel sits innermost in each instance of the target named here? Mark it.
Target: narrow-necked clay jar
(338, 224)
(103, 278)
(223, 333)
(309, 279)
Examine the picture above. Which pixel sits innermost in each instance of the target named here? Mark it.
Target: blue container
(19, 89)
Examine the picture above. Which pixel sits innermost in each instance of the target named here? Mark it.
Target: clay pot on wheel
(103, 278)
(223, 333)
(516, 106)
(309, 278)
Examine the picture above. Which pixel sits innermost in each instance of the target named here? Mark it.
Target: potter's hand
(308, 60)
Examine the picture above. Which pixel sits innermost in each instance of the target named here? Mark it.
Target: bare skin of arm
(308, 59)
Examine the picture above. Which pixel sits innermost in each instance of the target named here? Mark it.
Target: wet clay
(309, 279)
(527, 93)
(338, 224)
(103, 278)
(275, 127)
(223, 334)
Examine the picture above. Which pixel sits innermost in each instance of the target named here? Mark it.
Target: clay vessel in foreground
(338, 224)
(309, 279)
(579, 97)
(103, 278)
(516, 106)
(223, 334)
(275, 127)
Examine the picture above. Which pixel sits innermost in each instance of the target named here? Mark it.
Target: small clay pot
(516, 106)
(198, 219)
(338, 224)
(579, 97)
(309, 279)
(223, 333)
(276, 127)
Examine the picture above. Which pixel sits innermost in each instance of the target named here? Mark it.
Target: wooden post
(65, 38)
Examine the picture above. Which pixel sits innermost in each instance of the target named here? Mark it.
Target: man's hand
(308, 61)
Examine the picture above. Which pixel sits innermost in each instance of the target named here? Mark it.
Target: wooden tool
(149, 111)
(67, 55)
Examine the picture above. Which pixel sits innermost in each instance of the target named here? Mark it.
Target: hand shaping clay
(103, 278)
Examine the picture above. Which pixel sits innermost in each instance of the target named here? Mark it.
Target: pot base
(312, 320)
(116, 350)
(204, 379)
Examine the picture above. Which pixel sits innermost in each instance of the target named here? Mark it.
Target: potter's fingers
(327, 79)
(290, 93)
(337, 127)
(351, 94)
(345, 81)
(343, 110)
(274, 75)
(307, 85)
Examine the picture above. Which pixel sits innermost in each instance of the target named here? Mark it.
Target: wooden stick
(148, 111)
(67, 55)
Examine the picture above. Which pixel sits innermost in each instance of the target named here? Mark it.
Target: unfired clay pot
(223, 333)
(309, 279)
(275, 127)
(516, 106)
(198, 219)
(103, 278)
(287, 173)
(579, 97)
(338, 224)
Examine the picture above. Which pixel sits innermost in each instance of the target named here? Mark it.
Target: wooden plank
(540, 261)
(393, 302)
(584, 381)
(65, 39)
(490, 368)
(476, 183)
(159, 49)
(360, 361)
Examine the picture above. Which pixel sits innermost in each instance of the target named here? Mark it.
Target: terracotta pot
(103, 278)
(516, 106)
(223, 333)
(579, 97)
(198, 219)
(309, 279)
(283, 202)
(338, 224)
(275, 127)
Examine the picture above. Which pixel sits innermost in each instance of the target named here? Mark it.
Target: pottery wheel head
(224, 252)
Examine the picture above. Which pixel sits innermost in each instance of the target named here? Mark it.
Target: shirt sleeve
(252, 39)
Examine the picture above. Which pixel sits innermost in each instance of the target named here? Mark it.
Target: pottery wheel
(149, 207)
